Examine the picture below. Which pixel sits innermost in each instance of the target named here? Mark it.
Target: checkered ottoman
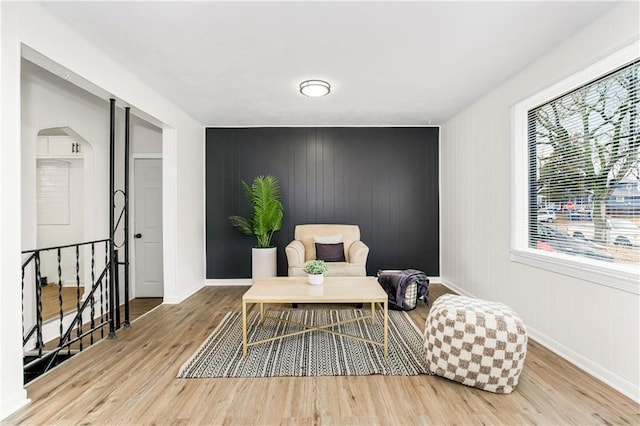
(475, 342)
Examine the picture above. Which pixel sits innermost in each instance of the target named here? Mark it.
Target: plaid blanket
(399, 286)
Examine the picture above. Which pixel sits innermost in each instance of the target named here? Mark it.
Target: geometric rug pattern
(310, 354)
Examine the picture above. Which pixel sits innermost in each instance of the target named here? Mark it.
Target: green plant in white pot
(315, 270)
(264, 196)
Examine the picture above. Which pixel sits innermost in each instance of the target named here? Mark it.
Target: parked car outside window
(546, 215)
(620, 232)
(548, 238)
(581, 214)
(624, 232)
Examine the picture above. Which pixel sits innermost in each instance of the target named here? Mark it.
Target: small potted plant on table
(315, 270)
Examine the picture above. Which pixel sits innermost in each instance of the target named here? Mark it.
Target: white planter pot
(316, 279)
(264, 262)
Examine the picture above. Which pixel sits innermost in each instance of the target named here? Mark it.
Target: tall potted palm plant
(264, 196)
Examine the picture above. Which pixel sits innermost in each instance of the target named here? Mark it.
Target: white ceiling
(389, 63)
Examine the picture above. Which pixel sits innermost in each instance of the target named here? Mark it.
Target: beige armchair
(302, 250)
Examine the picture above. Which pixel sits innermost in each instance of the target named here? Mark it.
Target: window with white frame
(577, 175)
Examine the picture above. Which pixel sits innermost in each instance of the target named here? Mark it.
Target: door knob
(138, 235)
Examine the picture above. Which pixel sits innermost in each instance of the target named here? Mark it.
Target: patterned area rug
(310, 354)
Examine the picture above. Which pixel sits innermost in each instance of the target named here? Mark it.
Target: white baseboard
(610, 378)
(455, 288)
(606, 376)
(13, 403)
(175, 299)
(229, 282)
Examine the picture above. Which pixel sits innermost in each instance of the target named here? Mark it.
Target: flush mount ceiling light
(315, 88)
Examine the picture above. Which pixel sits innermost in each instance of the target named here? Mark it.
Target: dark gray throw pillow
(330, 252)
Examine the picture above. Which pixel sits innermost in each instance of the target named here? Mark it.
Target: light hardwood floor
(51, 304)
(137, 308)
(132, 380)
(140, 306)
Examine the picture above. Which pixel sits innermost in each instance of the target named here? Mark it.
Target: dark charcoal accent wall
(383, 179)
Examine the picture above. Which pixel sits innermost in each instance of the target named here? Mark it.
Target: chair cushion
(330, 252)
(306, 233)
(329, 239)
(336, 269)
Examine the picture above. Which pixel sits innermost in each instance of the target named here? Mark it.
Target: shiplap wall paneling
(383, 179)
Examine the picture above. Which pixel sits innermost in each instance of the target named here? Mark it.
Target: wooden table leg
(386, 328)
(244, 328)
(373, 312)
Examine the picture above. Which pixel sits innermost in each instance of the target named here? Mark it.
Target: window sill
(618, 277)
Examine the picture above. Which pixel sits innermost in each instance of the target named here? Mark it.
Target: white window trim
(622, 277)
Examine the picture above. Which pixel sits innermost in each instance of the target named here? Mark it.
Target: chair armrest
(295, 253)
(358, 253)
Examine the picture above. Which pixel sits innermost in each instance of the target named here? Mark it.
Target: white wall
(145, 137)
(47, 102)
(50, 235)
(51, 102)
(183, 139)
(12, 396)
(594, 326)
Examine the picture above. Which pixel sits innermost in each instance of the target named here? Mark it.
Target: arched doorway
(65, 187)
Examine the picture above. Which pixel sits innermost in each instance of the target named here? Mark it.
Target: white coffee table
(334, 290)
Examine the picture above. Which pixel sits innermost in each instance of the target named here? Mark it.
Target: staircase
(48, 343)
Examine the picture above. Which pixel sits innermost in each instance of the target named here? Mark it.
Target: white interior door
(148, 227)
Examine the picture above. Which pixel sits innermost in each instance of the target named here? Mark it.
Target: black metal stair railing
(40, 356)
(102, 293)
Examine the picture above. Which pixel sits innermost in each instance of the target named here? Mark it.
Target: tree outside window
(584, 150)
